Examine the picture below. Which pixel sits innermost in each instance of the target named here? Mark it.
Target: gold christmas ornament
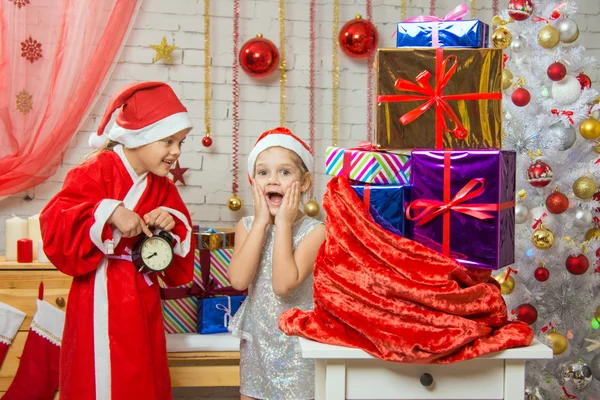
(507, 78)
(235, 203)
(163, 50)
(548, 37)
(501, 38)
(589, 129)
(542, 238)
(597, 147)
(593, 233)
(312, 208)
(559, 342)
(506, 285)
(584, 188)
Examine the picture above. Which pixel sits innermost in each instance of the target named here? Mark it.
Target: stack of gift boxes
(437, 174)
(207, 304)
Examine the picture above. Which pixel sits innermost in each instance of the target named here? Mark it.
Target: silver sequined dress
(271, 366)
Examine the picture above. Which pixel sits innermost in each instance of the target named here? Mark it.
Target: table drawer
(20, 290)
(468, 380)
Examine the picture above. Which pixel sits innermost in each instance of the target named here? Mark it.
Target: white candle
(16, 228)
(35, 233)
(40, 251)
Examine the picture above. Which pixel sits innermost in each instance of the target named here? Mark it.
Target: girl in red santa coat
(113, 345)
(274, 254)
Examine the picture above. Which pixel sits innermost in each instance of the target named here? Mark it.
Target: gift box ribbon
(456, 14)
(433, 208)
(347, 164)
(435, 96)
(210, 285)
(227, 310)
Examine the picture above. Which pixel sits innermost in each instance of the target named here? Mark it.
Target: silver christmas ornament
(595, 366)
(517, 45)
(560, 137)
(567, 90)
(568, 30)
(582, 218)
(577, 376)
(521, 213)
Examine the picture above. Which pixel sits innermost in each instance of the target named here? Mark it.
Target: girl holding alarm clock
(117, 221)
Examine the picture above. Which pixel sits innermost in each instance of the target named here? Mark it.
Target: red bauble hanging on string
(520, 10)
(584, 81)
(259, 57)
(521, 97)
(577, 265)
(526, 313)
(207, 141)
(539, 174)
(541, 274)
(557, 202)
(358, 38)
(556, 71)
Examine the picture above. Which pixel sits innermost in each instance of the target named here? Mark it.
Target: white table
(346, 373)
(186, 342)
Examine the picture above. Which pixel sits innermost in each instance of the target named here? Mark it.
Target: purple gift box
(463, 205)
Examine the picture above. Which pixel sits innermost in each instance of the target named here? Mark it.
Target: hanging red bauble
(539, 174)
(206, 141)
(584, 81)
(556, 71)
(520, 10)
(526, 313)
(541, 274)
(557, 202)
(358, 38)
(596, 197)
(598, 253)
(521, 97)
(259, 57)
(577, 265)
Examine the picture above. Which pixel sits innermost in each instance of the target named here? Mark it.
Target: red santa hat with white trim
(150, 111)
(279, 137)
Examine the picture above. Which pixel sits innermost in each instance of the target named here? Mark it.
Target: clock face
(156, 253)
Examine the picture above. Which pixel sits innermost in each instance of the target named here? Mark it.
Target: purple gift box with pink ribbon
(449, 31)
(463, 205)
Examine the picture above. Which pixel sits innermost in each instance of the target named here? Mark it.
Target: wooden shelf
(11, 265)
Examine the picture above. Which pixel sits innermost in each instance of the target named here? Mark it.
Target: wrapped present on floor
(212, 239)
(439, 98)
(180, 304)
(367, 165)
(449, 31)
(387, 204)
(214, 314)
(462, 205)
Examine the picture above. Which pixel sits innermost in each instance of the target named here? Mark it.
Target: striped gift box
(181, 315)
(373, 167)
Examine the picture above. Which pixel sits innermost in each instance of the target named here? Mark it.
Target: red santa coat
(113, 344)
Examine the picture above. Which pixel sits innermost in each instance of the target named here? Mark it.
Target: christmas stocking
(37, 376)
(10, 322)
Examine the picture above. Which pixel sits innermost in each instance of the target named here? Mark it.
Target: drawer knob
(426, 379)
(60, 301)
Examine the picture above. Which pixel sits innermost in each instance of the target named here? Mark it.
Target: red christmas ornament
(584, 81)
(177, 173)
(556, 71)
(539, 174)
(596, 197)
(521, 97)
(526, 313)
(557, 203)
(577, 265)
(206, 141)
(520, 10)
(259, 57)
(598, 253)
(541, 274)
(358, 38)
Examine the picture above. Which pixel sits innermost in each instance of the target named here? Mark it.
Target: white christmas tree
(550, 119)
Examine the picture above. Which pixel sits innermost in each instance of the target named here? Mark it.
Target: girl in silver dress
(274, 256)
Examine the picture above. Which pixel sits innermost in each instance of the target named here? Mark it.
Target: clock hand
(152, 255)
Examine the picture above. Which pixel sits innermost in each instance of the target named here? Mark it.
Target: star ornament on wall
(163, 50)
(177, 173)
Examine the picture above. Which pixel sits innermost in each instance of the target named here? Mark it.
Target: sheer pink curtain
(54, 58)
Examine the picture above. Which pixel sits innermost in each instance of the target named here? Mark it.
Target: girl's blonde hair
(108, 146)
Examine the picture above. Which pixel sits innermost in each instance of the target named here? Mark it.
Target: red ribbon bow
(546, 328)
(567, 113)
(435, 96)
(555, 14)
(433, 208)
(539, 220)
(504, 60)
(569, 396)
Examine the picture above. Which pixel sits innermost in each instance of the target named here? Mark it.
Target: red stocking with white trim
(37, 376)
(10, 322)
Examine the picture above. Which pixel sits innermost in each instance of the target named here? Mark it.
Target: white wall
(181, 21)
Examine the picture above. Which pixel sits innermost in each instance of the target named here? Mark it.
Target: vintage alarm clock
(153, 254)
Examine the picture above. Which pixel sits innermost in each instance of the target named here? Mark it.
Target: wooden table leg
(335, 384)
(514, 379)
(320, 378)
